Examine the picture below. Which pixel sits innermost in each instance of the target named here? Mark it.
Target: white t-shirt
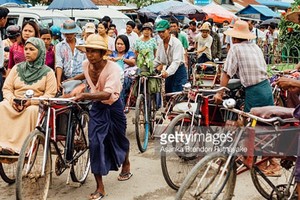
(207, 42)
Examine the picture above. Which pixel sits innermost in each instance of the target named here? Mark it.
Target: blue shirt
(69, 62)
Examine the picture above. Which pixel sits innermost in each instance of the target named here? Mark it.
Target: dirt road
(147, 182)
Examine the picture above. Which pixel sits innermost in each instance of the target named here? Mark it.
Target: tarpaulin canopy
(170, 7)
(12, 1)
(218, 13)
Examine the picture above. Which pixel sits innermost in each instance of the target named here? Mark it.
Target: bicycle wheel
(30, 182)
(8, 168)
(81, 166)
(177, 157)
(142, 127)
(259, 178)
(209, 180)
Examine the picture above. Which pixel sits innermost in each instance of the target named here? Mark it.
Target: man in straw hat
(204, 42)
(169, 58)
(245, 59)
(109, 147)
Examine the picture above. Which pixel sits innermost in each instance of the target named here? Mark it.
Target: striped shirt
(246, 60)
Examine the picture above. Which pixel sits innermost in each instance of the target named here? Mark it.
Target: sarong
(258, 95)
(107, 137)
(174, 83)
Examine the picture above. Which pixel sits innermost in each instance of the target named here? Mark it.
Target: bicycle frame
(48, 110)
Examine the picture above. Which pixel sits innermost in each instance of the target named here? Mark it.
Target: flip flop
(125, 176)
(8, 151)
(96, 196)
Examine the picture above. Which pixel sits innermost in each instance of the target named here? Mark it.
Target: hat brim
(69, 31)
(83, 47)
(148, 28)
(293, 17)
(205, 29)
(161, 29)
(235, 34)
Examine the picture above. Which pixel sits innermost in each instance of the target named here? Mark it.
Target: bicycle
(178, 157)
(214, 176)
(63, 123)
(145, 110)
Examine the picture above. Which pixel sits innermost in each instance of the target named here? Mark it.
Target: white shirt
(172, 58)
(259, 35)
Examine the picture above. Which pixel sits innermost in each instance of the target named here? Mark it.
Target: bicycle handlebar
(211, 90)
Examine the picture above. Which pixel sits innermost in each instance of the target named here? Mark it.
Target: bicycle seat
(183, 107)
(272, 111)
(234, 83)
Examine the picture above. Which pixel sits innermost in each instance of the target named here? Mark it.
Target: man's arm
(224, 82)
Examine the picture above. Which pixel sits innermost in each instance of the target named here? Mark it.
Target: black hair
(3, 12)
(112, 25)
(45, 31)
(125, 39)
(175, 33)
(105, 24)
(272, 25)
(131, 23)
(174, 22)
(192, 23)
(139, 27)
(35, 27)
(225, 21)
(106, 19)
(211, 21)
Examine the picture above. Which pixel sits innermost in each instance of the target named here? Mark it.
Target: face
(28, 31)
(192, 27)
(204, 33)
(94, 55)
(250, 25)
(101, 29)
(120, 46)
(31, 52)
(173, 26)
(128, 29)
(111, 33)
(147, 32)
(47, 39)
(3, 21)
(70, 36)
(164, 34)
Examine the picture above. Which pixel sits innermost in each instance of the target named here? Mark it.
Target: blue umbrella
(71, 5)
(12, 1)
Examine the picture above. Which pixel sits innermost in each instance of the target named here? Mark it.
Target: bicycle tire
(30, 184)
(142, 128)
(227, 185)
(8, 171)
(80, 167)
(261, 185)
(176, 164)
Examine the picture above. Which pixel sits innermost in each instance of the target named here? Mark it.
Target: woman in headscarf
(31, 74)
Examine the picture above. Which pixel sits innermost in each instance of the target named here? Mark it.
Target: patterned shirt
(150, 44)
(71, 64)
(247, 61)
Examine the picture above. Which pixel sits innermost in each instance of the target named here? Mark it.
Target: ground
(147, 182)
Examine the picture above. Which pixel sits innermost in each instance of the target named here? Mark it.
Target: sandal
(124, 176)
(272, 172)
(96, 195)
(8, 151)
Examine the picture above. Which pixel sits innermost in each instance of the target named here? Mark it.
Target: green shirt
(183, 41)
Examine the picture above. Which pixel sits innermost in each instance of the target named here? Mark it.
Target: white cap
(89, 28)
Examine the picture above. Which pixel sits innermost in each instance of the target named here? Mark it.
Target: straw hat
(94, 41)
(240, 30)
(90, 27)
(294, 16)
(205, 26)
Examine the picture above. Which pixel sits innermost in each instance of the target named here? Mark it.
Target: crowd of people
(105, 57)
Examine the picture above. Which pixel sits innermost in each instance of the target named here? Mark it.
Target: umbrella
(269, 21)
(155, 9)
(182, 10)
(71, 5)
(218, 13)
